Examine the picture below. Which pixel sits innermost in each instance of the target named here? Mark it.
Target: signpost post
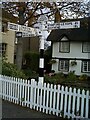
(42, 19)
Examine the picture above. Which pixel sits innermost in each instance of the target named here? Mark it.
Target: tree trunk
(19, 51)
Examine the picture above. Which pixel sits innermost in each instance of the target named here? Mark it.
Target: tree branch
(32, 13)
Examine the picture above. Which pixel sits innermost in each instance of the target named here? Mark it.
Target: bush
(30, 74)
(71, 77)
(56, 79)
(10, 69)
(83, 77)
(32, 60)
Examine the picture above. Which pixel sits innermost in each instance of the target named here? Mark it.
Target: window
(85, 66)
(86, 47)
(64, 65)
(4, 27)
(3, 48)
(64, 46)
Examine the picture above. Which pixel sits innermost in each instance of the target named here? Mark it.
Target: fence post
(0, 86)
(32, 93)
(0, 97)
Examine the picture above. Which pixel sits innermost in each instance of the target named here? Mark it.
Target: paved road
(10, 110)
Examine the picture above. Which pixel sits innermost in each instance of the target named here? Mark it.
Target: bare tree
(55, 11)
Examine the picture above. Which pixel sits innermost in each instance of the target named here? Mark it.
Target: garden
(30, 70)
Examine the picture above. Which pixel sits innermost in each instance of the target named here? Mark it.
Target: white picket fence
(48, 98)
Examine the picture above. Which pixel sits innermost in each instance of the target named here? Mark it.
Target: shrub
(56, 79)
(32, 60)
(83, 77)
(71, 77)
(10, 69)
(30, 74)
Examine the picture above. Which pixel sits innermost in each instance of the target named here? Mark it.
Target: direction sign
(24, 34)
(13, 26)
(21, 28)
(64, 25)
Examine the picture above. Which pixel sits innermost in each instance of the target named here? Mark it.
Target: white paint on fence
(48, 98)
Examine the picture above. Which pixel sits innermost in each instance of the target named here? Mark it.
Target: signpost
(62, 25)
(24, 31)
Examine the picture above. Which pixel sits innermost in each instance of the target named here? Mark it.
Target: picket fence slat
(61, 104)
(73, 105)
(34, 95)
(44, 97)
(57, 106)
(82, 104)
(40, 97)
(53, 99)
(78, 103)
(87, 104)
(69, 104)
(23, 98)
(65, 106)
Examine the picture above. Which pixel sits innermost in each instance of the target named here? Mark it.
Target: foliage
(10, 69)
(71, 77)
(73, 63)
(83, 77)
(52, 61)
(28, 11)
(30, 74)
(57, 10)
(56, 79)
(32, 60)
(70, 80)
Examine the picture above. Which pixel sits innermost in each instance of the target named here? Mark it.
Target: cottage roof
(76, 34)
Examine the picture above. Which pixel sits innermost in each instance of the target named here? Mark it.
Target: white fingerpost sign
(21, 28)
(64, 25)
(67, 25)
(13, 26)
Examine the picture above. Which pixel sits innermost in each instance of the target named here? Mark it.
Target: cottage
(71, 49)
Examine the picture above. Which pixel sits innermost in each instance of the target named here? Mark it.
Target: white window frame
(3, 47)
(85, 66)
(63, 65)
(64, 46)
(86, 47)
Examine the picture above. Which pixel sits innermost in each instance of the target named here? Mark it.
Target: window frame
(4, 27)
(65, 69)
(3, 48)
(83, 48)
(82, 67)
(64, 50)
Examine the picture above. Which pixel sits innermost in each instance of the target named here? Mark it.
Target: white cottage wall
(75, 52)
